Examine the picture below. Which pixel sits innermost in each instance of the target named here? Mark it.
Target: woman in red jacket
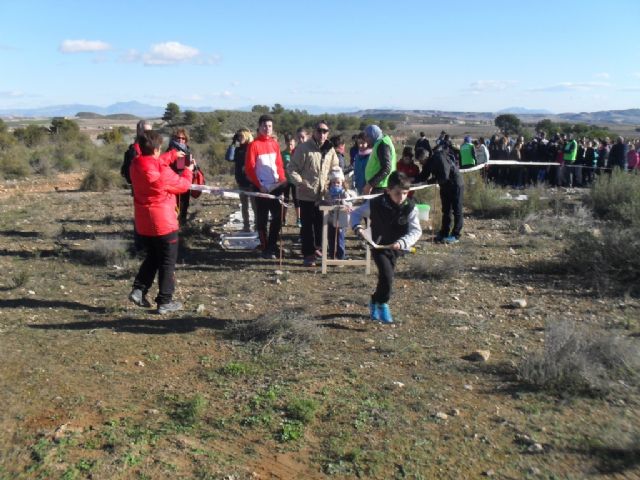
(155, 186)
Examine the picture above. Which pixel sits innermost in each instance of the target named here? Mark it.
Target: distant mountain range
(630, 116)
(621, 117)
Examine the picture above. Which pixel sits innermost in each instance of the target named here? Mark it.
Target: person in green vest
(382, 161)
(569, 155)
(467, 154)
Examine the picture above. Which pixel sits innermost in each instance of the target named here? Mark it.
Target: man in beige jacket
(309, 171)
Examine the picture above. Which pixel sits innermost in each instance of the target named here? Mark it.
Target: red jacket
(263, 163)
(155, 186)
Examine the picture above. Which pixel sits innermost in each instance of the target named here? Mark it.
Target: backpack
(129, 155)
(198, 179)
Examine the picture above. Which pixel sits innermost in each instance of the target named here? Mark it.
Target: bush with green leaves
(14, 162)
(616, 197)
(486, 199)
(99, 178)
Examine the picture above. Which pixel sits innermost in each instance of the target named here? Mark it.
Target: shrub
(107, 251)
(487, 200)
(302, 409)
(189, 411)
(581, 361)
(616, 197)
(429, 267)
(289, 326)
(604, 259)
(14, 163)
(100, 179)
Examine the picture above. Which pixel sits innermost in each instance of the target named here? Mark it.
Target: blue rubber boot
(385, 313)
(373, 312)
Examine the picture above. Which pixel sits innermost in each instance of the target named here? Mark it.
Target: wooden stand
(326, 210)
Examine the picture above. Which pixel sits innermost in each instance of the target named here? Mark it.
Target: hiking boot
(309, 261)
(385, 313)
(374, 314)
(169, 307)
(139, 298)
(439, 238)
(450, 240)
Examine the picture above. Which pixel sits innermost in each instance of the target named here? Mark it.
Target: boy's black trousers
(385, 259)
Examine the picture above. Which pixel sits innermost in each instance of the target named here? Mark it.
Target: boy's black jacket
(389, 221)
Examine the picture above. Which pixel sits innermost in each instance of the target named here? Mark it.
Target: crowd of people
(578, 160)
(312, 170)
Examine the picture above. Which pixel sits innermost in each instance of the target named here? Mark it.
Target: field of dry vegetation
(514, 353)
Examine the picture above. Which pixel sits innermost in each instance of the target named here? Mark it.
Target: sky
(457, 55)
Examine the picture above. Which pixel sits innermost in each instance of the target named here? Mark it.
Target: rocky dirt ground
(93, 387)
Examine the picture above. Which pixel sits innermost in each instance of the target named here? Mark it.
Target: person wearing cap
(382, 161)
(309, 170)
(467, 154)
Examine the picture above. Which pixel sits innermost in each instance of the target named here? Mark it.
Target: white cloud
(572, 87)
(79, 46)
(169, 53)
(636, 75)
(490, 85)
(603, 75)
(12, 94)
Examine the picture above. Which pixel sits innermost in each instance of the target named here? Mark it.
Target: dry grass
(293, 327)
(580, 360)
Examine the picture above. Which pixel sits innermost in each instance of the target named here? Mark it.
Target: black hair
(398, 179)
(407, 151)
(265, 118)
(288, 137)
(149, 141)
(336, 141)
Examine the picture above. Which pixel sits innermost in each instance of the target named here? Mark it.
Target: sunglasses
(322, 130)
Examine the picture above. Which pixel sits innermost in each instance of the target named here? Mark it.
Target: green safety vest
(570, 151)
(466, 155)
(373, 164)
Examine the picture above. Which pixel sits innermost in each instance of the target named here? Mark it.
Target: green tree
(190, 117)
(6, 139)
(206, 131)
(64, 127)
(508, 124)
(115, 136)
(546, 126)
(31, 135)
(171, 113)
(277, 109)
(260, 109)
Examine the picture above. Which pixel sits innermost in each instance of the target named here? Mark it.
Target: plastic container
(240, 241)
(423, 211)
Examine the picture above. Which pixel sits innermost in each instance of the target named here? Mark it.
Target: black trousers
(264, 207)
(183, 206)
(161, 257)
(311, 231)
(385, 259)
(451, 196)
